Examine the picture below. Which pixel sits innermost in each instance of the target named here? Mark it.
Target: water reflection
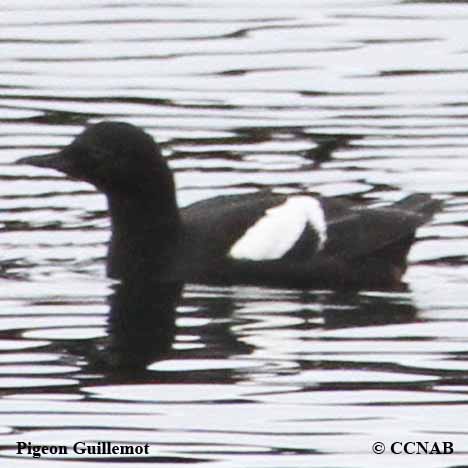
(358, 310)
(141, 325)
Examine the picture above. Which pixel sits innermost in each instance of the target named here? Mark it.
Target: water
(364, 99)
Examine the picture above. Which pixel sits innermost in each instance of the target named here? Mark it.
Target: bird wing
(354, 232)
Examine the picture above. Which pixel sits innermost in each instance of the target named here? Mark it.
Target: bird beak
(56, 161)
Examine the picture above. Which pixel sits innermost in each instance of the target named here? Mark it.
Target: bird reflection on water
(141, 326)
(142, 323)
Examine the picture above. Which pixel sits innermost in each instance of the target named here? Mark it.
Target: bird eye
(97, 153)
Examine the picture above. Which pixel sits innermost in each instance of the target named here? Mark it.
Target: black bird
(262, 238)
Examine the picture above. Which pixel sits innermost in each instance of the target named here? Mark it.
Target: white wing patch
(273, 235)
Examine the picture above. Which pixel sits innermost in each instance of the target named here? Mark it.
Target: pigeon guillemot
(262, 238)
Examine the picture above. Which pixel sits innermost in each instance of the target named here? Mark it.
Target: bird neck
(145, 234)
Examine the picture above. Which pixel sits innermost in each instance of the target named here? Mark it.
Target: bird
(263, 238)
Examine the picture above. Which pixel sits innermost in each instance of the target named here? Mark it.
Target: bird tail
(421, 204)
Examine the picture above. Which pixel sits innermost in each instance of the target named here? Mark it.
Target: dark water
(367, 99)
